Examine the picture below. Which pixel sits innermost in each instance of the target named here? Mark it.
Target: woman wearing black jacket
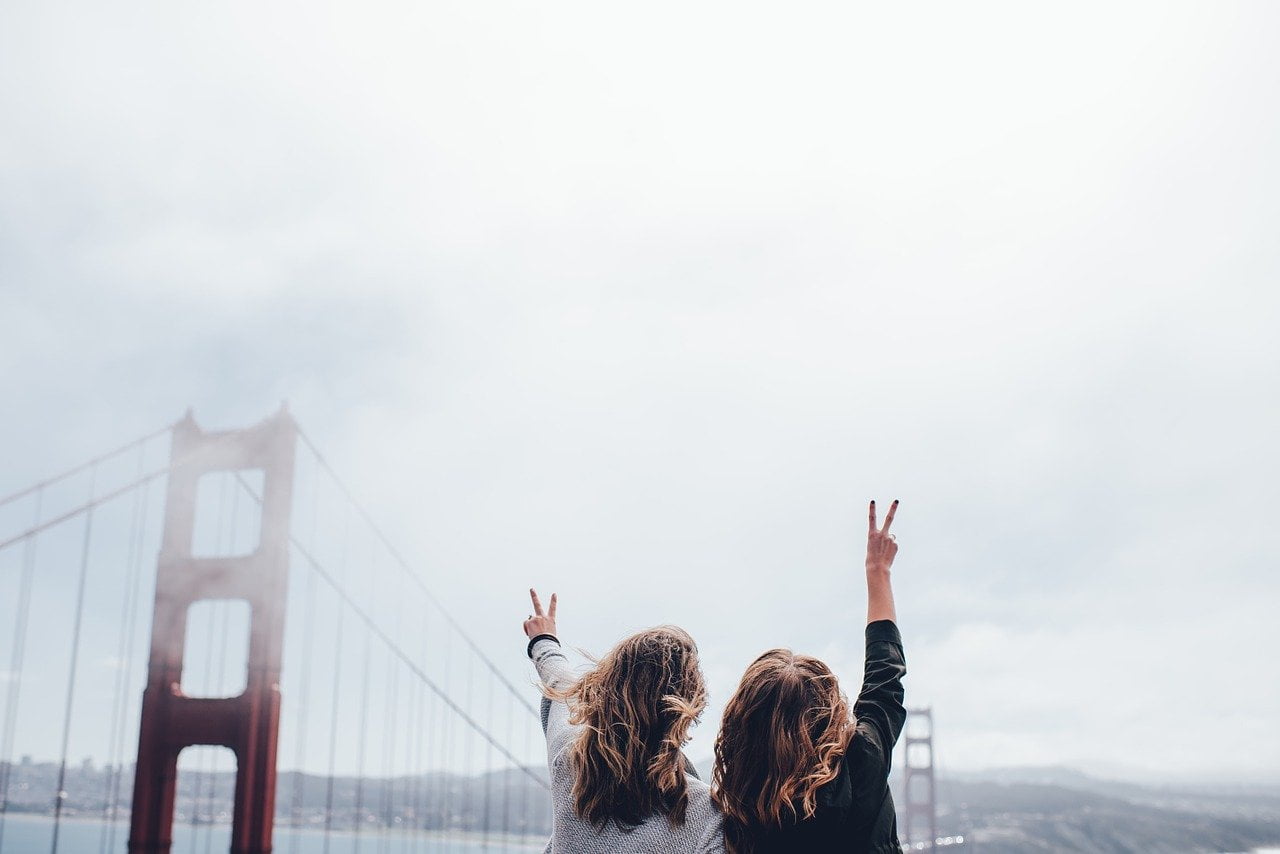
(795, 770)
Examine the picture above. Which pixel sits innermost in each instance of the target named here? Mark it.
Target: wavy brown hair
(636, 707)
(781, 739)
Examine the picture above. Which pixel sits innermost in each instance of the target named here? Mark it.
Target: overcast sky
(642, 304)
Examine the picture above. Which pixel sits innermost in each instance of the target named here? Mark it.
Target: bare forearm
(882, 548)
(880, 596)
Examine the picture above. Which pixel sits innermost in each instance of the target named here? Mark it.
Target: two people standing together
(796, 769)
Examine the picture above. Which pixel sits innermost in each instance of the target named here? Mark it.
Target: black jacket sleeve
(879, 710)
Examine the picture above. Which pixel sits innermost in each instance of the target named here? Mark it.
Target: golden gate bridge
(383, 682)
(404, 735)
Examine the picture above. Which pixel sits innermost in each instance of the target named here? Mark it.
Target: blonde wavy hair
(781, 739)
(636, 707)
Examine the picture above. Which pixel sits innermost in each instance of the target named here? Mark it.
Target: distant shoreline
(468, 837)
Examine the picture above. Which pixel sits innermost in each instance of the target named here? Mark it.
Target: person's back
(619, 780)
(848, 792)
(795, 771)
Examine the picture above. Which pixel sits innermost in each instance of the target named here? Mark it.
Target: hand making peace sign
(538, 622)
(882, 546)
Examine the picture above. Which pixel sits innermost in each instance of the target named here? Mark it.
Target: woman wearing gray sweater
(619, 781)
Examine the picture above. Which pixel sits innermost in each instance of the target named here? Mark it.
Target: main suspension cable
(413, 574)
(87, 507)
(101, 458)
(408, 660)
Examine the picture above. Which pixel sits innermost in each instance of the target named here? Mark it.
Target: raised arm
(554, 671)
(539, 623)
(544, 643)
(882, 547)
(879, 709)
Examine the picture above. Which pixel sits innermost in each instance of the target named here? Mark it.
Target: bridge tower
(249, 723)
(919, 802)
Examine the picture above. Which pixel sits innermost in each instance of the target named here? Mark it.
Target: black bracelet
(537, 638)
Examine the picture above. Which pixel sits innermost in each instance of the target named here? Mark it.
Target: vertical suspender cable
(409, 790)
(488, 769)
(524, 789)
(447, 739)
(384, 816)
(304, 690)
(419, 770)
(60, 795)
(364, 713)
(420, 801)
(467, 768)
(364, 724)
(440, 756)
(404, 814)
(130, 657)
(409, 825)
(337, 683)
(509, 777)
(417, 738)
(15, 665)
(118, 699)
(385, 801)
(304, 693)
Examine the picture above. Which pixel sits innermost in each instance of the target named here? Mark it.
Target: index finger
(888, 520)
(537, 603)
(871, 517)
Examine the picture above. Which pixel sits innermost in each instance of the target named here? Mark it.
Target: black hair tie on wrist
(535, 639)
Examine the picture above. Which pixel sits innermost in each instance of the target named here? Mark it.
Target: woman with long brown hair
(795, 769)
(619, 779)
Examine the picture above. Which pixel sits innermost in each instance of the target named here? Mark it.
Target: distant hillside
(1014, 810)
(1061, 809)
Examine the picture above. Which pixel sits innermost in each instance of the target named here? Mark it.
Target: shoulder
(864, 748)
(700, 806)
(864, 771)
(700, 799)
(702, 820)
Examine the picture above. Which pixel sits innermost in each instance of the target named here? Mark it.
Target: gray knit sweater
(701, 832)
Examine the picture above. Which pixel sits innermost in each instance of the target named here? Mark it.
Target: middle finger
(888, 519)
